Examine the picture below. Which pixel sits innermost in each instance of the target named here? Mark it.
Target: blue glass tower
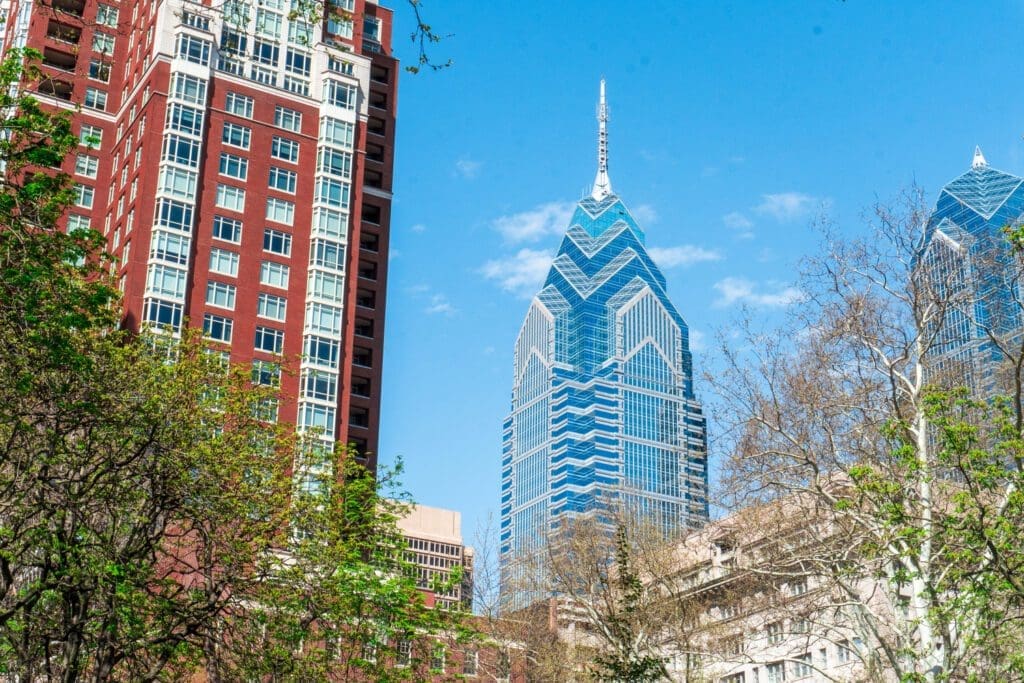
(603, 407)
(970, 269)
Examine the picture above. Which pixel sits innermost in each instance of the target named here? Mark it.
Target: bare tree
(844, 416)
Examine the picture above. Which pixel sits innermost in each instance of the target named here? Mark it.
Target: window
(284, 149)
(157, 312)
(221, 295)
(99, 70)
(262, 74)
(236, 12)
(734, 678)
(281, 179)
(232, 42)
(328, 255)
(193, 49)
(336, 132)
(76, 223)
(329, 223)
(195, 21)
(106, 16)
(84, 196)
(227, 229)
(238, 136)
(321, 351)
(169, 247)
(800, 625)
(232, 198)
(240, 105)
(297, 62)
(274, 274)
(277, 242)
(323, 319)
(775, 633)
(437, 659)
(802, 666)
(166, 281)
(269, 339)
(844, 653)
(334, 162)
(224, 262)
(95, 99)
(174, 215)
(289, 119)
(332, 192)
(103, 43)
(317, 417)
(181, 150)
(268, 24)
(90, 136)
(177, 182)
(271, 306)
(776, 672)
(234, 166)
(296, 85)
(217, 327)
(185, 119)
(327, 286)
(403, 652)
(338, 26)
(319, 385)
(280, 211)
(265, 53)
(189, 88)
(299, 32)
(266, 373)
(87, 165)
(470, 662)
(340, 66)
(341, 94)
(371, 29)
(797, 586)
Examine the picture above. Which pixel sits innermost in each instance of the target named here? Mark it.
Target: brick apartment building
(237, 155)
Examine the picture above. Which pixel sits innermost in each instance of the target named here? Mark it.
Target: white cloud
(737, 290)
(467, 168)
(740, 224)
(419, 227)
(645, 214)
(786, 206)
(737, 221)
(439, 304)
(522, 274)
(529, 226)
(683, 255)
(697, 340)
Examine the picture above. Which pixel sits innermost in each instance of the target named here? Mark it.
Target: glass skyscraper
(603, 408)
(969, 264)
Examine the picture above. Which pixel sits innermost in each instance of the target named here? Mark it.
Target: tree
(888, 461)
(148, 514)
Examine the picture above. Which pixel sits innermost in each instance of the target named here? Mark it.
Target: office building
(238, 158)
(435, 543)
(603, 407)
(974, 278)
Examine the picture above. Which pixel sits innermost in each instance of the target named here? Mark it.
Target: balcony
(369, 241)
(64, 33)
(368, 270)
(364, 328)
(56, 88)
(359, 417)
(366, 298)
(58, 59)
(75, 8)
(362, 357)
(361, 387)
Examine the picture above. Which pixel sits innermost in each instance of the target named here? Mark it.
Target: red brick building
(237, 155)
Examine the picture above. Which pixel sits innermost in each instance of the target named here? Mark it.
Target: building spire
(602, 184)
(979, 159)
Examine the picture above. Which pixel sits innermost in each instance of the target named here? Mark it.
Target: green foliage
(149, 523)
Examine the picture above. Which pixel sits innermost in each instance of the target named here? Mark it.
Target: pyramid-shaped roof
(983, 189)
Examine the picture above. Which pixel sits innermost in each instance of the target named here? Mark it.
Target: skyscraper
(603, 406)
(969, 263)
(238, 158)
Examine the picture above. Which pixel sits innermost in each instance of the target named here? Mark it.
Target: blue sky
(732, 125)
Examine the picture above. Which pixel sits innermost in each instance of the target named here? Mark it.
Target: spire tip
(979, 158)
(602, 184)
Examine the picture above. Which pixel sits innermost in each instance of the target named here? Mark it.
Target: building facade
(435, 543)
(238, 158)
(603, 406)
(970, 268)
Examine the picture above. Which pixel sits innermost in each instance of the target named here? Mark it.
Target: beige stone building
(435, 547)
